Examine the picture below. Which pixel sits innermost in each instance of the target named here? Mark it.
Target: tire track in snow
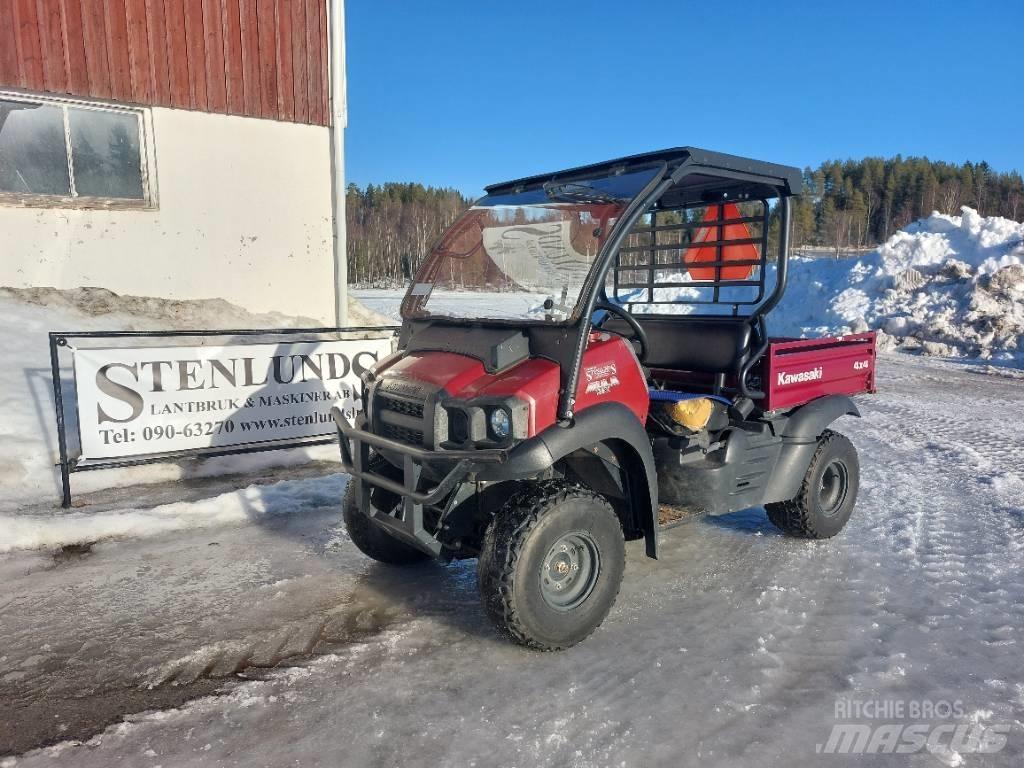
(731, 650)
(945, 501)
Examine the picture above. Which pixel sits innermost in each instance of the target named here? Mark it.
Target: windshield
(524, 255)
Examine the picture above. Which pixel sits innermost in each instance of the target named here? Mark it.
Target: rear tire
(372, 540)
(827, 494)
(551, 565)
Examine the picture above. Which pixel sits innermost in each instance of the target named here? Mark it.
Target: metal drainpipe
(339, 119)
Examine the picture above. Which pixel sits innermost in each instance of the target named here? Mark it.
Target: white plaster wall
(244, 213)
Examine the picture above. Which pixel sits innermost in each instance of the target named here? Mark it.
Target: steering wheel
(639, 335)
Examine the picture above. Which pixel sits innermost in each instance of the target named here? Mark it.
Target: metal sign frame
(69, 465)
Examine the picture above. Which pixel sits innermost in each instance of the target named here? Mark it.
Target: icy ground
(730, 651)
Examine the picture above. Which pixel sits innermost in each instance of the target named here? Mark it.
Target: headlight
(493, 423)
(501, 423)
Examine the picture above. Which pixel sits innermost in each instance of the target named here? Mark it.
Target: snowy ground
(232, 612)
(732, 650)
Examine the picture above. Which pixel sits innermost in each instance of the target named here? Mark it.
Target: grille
(399, 417)
(406, 407)
(403, 434)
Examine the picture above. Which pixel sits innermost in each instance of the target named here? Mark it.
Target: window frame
(147, 164)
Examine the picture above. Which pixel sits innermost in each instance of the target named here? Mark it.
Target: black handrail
(595, 280)
(758, 315)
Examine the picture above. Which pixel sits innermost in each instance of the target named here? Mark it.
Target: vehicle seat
(700, 344)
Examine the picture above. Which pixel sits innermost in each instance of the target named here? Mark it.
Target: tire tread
(524, 511)
(794, 516)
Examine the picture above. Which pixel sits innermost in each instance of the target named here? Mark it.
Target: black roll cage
(649, 266)
(712, 178)
(764, 180)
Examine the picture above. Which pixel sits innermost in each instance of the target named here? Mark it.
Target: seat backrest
(703, 344)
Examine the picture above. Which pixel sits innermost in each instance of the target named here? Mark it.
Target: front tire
(827, 493)
(551, 565)
(372, 540)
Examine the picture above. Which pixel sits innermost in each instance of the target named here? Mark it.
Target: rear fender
(611, 424)
(807, 422)
(800, 440)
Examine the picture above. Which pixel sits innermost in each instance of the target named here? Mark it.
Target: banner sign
(154, 400)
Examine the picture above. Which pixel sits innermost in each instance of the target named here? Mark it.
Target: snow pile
(945, 285)
(28, 440)
(150, 312)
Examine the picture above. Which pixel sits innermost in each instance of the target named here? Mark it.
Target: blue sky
(466, 93)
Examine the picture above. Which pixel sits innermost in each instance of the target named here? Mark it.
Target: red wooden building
(257, 58)
(192, 126)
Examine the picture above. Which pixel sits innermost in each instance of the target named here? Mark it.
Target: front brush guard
(407, 523)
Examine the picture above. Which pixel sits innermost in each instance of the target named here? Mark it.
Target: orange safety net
(709, 253)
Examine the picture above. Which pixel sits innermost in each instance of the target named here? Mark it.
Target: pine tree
(858, 209)
(967, 185)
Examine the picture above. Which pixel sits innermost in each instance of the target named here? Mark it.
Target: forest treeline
(845, 204)
(389, 223)
(859, 203)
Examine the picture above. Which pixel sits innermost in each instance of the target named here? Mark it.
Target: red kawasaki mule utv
(584, 360)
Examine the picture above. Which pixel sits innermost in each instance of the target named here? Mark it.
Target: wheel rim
(569, 571)
(832, 491)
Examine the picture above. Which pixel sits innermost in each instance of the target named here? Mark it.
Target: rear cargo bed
(795, 371)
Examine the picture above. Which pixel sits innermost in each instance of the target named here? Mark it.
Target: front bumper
(406, 522)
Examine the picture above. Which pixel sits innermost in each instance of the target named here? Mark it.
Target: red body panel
(793, 372)
(534, 381)
(443, 369)
(610, 373)
(810, 368)
(796, 371)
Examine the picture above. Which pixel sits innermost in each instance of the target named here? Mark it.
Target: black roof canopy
(707, 176)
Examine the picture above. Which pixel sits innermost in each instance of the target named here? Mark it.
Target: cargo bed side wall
(798, 371)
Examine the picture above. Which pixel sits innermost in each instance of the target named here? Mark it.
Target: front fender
(602, 423)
